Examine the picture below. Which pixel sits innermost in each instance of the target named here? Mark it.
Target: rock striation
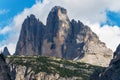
(113, 71)
(31, 37)
(57, 30)
(6, 51)
(4, 70)
(62, 38)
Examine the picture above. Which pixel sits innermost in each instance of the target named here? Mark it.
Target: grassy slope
(65, 68)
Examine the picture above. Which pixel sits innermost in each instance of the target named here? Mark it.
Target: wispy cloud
(5, 30)
(3, 11)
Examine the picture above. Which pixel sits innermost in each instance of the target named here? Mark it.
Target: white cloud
(108, 34)
(5, 30)
(11, 47)
(93, 11)
(114, 5)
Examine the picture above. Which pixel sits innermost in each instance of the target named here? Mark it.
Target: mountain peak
(57, 8)
(31, 36)
(58, 13)
(32, 16)
(6, 51)
(62, 38)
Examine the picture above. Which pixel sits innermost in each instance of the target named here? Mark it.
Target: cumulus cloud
(108, 34)
(93, 11)
(114, 5)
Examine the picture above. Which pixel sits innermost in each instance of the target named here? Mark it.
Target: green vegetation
(50, 65)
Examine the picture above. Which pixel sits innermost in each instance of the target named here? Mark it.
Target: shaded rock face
(61, 38)
(117, 52)
(84, 45)
(113, 71)
(4, 70)
(31, 37)
(6, 52)
(83, 41)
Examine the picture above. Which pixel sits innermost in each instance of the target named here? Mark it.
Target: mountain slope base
(49, 68)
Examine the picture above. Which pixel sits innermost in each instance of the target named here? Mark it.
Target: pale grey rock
(24, 73)
(57, 30)
(84, 45)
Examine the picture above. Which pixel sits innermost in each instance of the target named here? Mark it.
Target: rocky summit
(113, 71)
(63, 38)
(6, 51)
(31, 37)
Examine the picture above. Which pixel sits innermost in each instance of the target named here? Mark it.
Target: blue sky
(113, 18)
(104, 20)
(12, 8)
(9, 9)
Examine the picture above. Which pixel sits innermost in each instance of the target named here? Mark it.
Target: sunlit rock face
(63, 38)
(57, 30)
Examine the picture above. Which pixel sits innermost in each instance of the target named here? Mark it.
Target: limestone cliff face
(48, 68)
(4, 70)
(113, 71)
(84, 45)
(62, 38)
(71, 39)
(93, 50)
(31, 37)
(57, 30)
(24, 73)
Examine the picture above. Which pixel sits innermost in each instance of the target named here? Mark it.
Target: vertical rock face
(85, 45)
(113, 71)
(4, 71)
(70, 39)
(72, 49)
(6, 52)
(31, 37)
(93, 50)
(57, 30)
(62, 38)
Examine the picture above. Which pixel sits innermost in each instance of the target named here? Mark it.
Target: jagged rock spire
(62, 38)
(6, 51)
(31, 36)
